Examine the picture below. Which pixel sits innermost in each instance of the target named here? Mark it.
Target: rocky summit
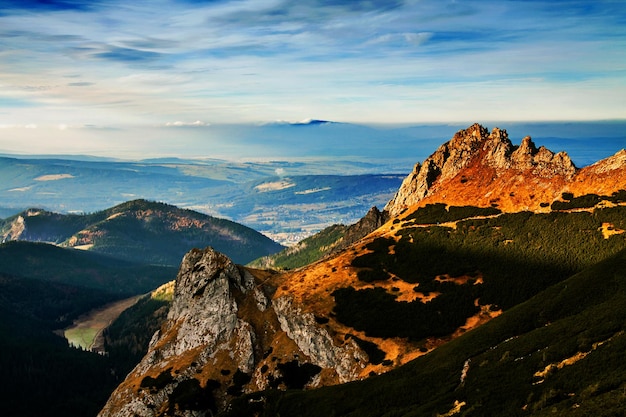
(477, 166)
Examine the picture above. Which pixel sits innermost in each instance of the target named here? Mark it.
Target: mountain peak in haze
(305, 122)
(312, 122)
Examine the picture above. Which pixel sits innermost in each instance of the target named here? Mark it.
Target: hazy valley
(285, 200)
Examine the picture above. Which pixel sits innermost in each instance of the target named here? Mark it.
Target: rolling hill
(139, 231)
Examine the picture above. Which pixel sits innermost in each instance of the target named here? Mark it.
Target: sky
(124, 77)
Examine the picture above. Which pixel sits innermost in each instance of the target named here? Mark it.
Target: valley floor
(86, 332)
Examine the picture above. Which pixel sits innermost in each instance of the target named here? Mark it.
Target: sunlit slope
(561, 352)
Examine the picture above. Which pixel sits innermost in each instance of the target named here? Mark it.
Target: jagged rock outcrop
(490, 158)
(603, 178)
(224, 335)
(366, 225)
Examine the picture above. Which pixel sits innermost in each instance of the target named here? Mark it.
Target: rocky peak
(370, 222)
(486, 154)
(612, 163)
(225, 335)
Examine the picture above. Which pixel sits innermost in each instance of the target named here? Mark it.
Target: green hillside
(330, 240)
(43, 288)
(306, 251)
(45, 262)
(145, 232)
(559, 353)
(126, 339)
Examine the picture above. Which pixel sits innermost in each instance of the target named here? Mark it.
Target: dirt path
(86, 332)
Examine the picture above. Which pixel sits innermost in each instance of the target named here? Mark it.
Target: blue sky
(87, 76)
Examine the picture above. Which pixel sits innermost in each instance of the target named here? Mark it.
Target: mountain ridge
(485, 169)
(401, 292)
(167, 231)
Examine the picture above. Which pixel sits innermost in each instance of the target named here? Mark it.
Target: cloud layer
(115, 64)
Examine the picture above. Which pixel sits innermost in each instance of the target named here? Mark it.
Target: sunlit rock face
(476, 164)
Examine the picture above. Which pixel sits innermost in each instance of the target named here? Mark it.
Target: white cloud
(411, 38)
(178, 123)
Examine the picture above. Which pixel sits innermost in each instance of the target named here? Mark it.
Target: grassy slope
(305, 252)
(583, 315)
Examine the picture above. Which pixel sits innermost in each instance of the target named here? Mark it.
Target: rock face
(224, 335)
(489, 161)
(604, 177)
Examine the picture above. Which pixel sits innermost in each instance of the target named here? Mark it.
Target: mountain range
(491, 284)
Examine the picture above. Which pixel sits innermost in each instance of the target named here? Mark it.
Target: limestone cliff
(224, 335)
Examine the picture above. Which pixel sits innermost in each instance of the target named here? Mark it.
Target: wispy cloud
(117, 63)
(116, 53)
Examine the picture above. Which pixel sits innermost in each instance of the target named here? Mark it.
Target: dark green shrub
(584, 201)
(296, 375)
(372, 275)
(239, 380)
(158, 383)
(374, 353)
(189, 395)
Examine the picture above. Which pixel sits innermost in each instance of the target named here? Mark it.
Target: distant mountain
(460, 304)
(304, 122)
(139, 231)
(312, 122)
